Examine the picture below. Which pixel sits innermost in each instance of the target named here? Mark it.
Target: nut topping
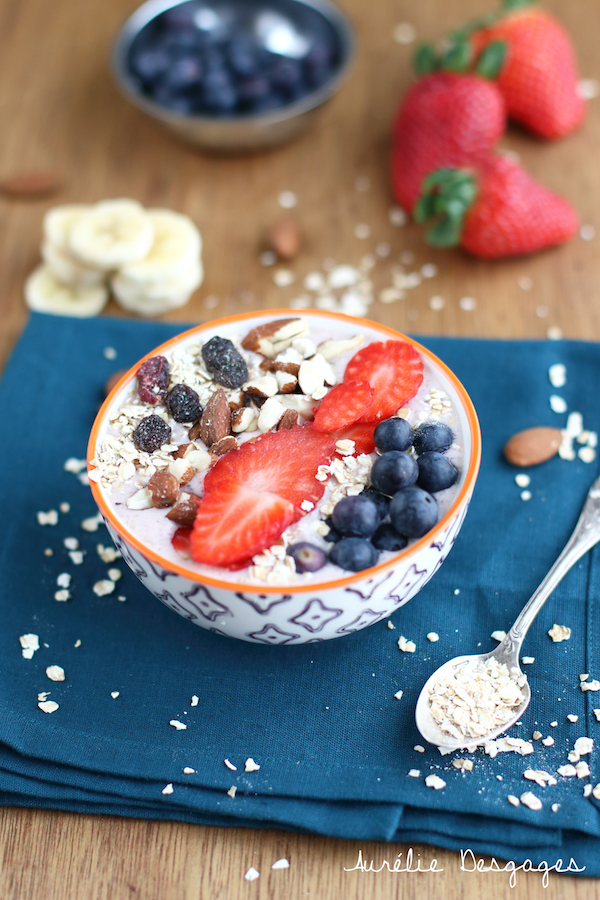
(273, 337)
(184, 511)
(288, 419)
(284, 238)
(243, 420)
(224, 445)
(164, 489)
(216, 419)
(182, 470)
(262, 388)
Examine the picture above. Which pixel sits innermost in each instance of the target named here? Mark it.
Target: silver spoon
(585, 535)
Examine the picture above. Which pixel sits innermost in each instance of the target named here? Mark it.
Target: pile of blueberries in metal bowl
(231, 59)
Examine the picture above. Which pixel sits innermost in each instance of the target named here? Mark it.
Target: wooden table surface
(60, 111)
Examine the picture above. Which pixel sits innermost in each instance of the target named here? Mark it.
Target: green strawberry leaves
(446, 196)
(491, 60)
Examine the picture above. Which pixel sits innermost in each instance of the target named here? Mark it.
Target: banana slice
(177, 244)
(68, 270)
(111, 234)
(160, 297)
(58, 222)
(45, 293)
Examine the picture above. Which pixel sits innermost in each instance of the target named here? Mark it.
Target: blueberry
(413, 512)
(333, 534)
(436, 472)
(268, 103)
(382, 502)
(218, 92)
(286, 75)
(393, 434)
(354, 554)
(394, 471)
(432, 436)
(387, 538)
(308, 557)
(151, 433)
(183, 73)
(241, 55)
(356, 516)
(253, 90)
(226, 365)
(150, 64)
(184, 403)
(317, 75)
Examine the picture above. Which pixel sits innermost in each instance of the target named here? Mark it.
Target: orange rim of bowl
(413, 549)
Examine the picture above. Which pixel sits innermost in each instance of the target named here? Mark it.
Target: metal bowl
(297, 21)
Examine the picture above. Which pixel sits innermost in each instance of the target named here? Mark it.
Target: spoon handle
(585, 535)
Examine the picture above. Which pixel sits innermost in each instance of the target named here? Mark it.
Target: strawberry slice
(181, 541)
(362, 435)
(394, 370)
(236, 521)
(254, 493)
(343, 405)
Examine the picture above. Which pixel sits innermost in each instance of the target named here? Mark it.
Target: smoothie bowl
(284, 478)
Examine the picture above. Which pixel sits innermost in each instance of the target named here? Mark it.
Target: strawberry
(494, 211)
(343, 405)
(445, 120)
(362, 435)
(393, 369)
(253, 494)
(181, 541)
(538, 76)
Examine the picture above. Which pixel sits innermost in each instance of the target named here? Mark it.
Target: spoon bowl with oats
(472, 699)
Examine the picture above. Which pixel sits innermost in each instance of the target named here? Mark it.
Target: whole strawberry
(494, 210)
(538, 74)
(446, 119)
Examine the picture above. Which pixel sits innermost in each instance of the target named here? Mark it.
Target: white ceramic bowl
(297, 613)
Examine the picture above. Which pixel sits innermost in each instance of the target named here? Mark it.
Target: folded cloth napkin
(339, 755)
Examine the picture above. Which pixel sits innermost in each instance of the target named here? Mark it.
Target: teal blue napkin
(333, 744)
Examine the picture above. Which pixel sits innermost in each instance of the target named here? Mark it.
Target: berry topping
(354, 554)
(356, 516)
(432, 436)
(184, 403)
(387, 538)
(307, 557)
(393, 434)
(153, 380)
(344, 405)
(394, 471)
(381, 501)
(436, 472)
(254, 493)
(226, 365)
(393, 369)
(413, 512)
(151, 433)
(362, 435)
(181, 541)
(333, 534)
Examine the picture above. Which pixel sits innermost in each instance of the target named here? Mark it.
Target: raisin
(151, 433)
(226, 365)
(153, 380)
(184, 403)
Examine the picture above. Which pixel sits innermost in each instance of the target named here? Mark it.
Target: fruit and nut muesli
(285, 452)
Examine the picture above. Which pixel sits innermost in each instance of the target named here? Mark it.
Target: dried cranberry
(151, 433)
(153, 380)
(184, 403)
(226, 364)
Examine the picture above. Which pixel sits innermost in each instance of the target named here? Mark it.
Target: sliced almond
(182, 470)
(275, 365)
(200, 459)
(224, 445)
(304, 346)
(216, 419)
(299, 403)
(243, 420)
(182, 450)
(532, 446)
(288, 420)
(284, 238)
(164, 488)
(271, 412)
(330, 349)
(262, 388)
(236, 400)
(273, 337)
(286, 382)
(184, 511)
(26, 185)
(142, 499)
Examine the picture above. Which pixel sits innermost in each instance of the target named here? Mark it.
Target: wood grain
(59, 111)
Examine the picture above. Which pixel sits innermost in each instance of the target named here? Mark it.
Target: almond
(274, 365)
(284, 238)
(273, 337)
(26, 185)
(262, 388)
(224, 445)
(216, 419)
(236, 401)
(181, 450)
(164, 489)
(532, 446)
(243, 420)
(182, 470)
(288, 419)
(184, 511)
